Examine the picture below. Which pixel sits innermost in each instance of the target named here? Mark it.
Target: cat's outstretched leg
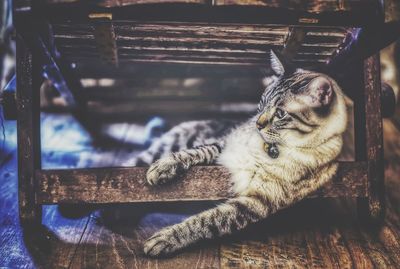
(262, 199)
(169, 167)
(233, 215)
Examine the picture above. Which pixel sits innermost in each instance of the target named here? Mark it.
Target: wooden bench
(124, 39)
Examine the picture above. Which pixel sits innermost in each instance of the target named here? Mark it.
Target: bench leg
(28, 126)
(372, 208)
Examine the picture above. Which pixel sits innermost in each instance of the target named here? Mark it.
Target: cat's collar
(272, 150)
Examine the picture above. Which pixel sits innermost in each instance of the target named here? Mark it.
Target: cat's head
(300, 108)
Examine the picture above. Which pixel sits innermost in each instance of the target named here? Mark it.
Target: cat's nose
(262, 122)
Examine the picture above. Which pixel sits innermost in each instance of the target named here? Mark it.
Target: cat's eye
(280, 114)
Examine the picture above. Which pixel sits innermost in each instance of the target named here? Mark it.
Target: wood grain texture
(294, 12)
(314, 6)
(101, 247)
(122, 185)
(323, 236)
(199, 43)
(104, 36)
(374, 138)
(28, 113)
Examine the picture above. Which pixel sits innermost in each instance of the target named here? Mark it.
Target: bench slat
(126, 185)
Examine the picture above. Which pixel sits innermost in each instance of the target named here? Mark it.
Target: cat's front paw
(162, 243)
(162, 171)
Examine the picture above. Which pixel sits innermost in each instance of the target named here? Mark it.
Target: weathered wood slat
(177, 50)
(28, 118)
(172, 60)
(244, 42)
(200, 43)
(189, 42)
(293, 12)
(126, 29)
(182, 29)
(245, 62)
(113, 3)
(123, 185)
(87, 50)
(314, 6)
(293, 42)
(104, 35)
(374, 139)
(132, 52)
(185, 27)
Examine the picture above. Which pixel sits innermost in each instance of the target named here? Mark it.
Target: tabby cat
(276, 158)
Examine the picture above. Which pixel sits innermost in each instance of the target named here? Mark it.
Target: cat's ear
(276, 64)
(319, 92)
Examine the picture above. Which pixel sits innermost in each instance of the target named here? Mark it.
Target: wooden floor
(312, 234)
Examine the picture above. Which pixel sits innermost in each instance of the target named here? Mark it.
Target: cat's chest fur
(246, 159)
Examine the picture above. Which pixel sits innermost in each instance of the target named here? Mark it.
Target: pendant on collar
(272, 150)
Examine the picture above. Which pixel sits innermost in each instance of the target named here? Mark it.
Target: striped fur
(304, 114)
(186, 135)
(168, 167)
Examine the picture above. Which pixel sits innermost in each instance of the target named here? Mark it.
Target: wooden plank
(293, 42)
(314, 6)
(28, 114)
(171, 28)
(187, 41)
(221, 44)
(104, 35)
(374, 138)
(121, 3)
(166, 61)
(122, 185)
(199, 43)
(197, 28)
(283, 12)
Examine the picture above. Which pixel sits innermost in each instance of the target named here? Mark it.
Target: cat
(276, 158)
